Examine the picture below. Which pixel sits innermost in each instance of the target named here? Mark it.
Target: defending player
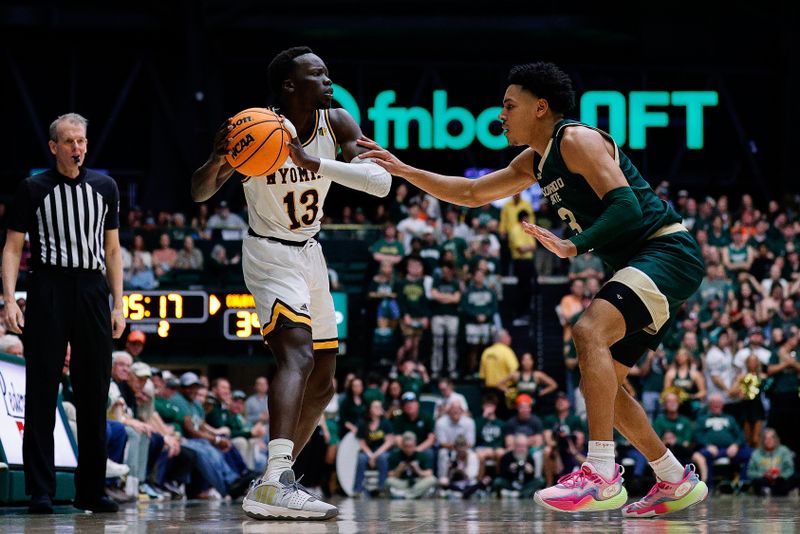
(612, 210)
(285, 270)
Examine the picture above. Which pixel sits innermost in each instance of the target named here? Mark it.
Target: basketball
(258, 142)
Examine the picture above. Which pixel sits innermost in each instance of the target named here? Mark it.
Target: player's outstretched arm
(455, 189)
(216, 170)
(358, 174)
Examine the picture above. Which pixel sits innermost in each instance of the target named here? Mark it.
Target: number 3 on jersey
(310, 199)
(569, 218)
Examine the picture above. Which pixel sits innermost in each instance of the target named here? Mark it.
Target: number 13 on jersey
(308, 199)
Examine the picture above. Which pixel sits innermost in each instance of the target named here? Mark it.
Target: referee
(71, 216)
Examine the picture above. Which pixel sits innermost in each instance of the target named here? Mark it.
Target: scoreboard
(207, 318)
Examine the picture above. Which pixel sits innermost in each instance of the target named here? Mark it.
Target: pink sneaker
(666, 497)
(584, 491)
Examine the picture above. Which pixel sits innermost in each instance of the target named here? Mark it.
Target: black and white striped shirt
(66, 218)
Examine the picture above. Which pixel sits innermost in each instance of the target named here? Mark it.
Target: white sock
(668, 468)
(280, 457)
(601, 456)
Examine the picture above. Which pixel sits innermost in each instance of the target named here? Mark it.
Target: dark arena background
(704, 102)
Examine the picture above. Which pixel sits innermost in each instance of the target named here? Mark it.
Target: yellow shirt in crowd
(497, 362)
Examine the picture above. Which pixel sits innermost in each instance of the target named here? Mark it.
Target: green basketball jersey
(574, 200)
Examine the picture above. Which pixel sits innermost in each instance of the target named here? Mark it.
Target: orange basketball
(258, 142)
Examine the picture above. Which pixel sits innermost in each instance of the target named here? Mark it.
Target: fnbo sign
(628, 118)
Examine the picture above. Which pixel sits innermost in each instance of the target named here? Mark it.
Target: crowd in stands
(722, 390)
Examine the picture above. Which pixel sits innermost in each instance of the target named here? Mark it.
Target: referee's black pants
(66, 306)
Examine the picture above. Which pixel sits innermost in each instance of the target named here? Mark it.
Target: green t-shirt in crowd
(458, 247)
(374, 438)
(409, 473)
(786, 381)
(395, 248)
(720, 430)
(192, 409)
(567, 426)
(490, 433)
(682, 427)
(169, 413)
(411, 298)
(421, 428)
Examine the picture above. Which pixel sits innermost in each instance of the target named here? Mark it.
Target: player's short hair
(547, 81)
(282, 65)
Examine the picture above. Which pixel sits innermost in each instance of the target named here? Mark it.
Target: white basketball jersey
(288, 204)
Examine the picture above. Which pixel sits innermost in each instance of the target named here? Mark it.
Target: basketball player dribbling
(612, 210)
(285, 270)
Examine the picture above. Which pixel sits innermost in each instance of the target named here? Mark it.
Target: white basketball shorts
(290, 287)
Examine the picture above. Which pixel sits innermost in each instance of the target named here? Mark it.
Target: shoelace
(296, 486)
(653, 491)
(578, 478)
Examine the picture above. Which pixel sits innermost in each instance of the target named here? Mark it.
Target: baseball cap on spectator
(561, 395)
(239, 394)
(223, 204)
(189, 379)
(172, 382)
(408, 396)
(524, 398)
(755, 330)
(683, 193)
(141, 370)
(136, 336)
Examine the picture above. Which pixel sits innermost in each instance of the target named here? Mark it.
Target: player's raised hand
(379, 155)
(563, 248)
(222, 141)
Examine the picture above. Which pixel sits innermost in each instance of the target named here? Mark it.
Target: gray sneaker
(285, 499)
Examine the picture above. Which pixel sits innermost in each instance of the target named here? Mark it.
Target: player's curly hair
(547, 81)
(281, 66)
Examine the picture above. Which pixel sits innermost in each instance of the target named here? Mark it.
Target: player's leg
(598, 484)
(318, 393)
(273, 273)
(295, 362)
(632, 421)
(319, 388)
(628, 303)
(678, 486)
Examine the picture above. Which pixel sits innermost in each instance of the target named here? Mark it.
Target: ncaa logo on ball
(241, 144)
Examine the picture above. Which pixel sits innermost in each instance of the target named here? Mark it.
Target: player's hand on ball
(300, 157)
(222, 140)
(382, 157)
(563, 248)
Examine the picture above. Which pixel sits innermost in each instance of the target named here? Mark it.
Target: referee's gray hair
(67, 117)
